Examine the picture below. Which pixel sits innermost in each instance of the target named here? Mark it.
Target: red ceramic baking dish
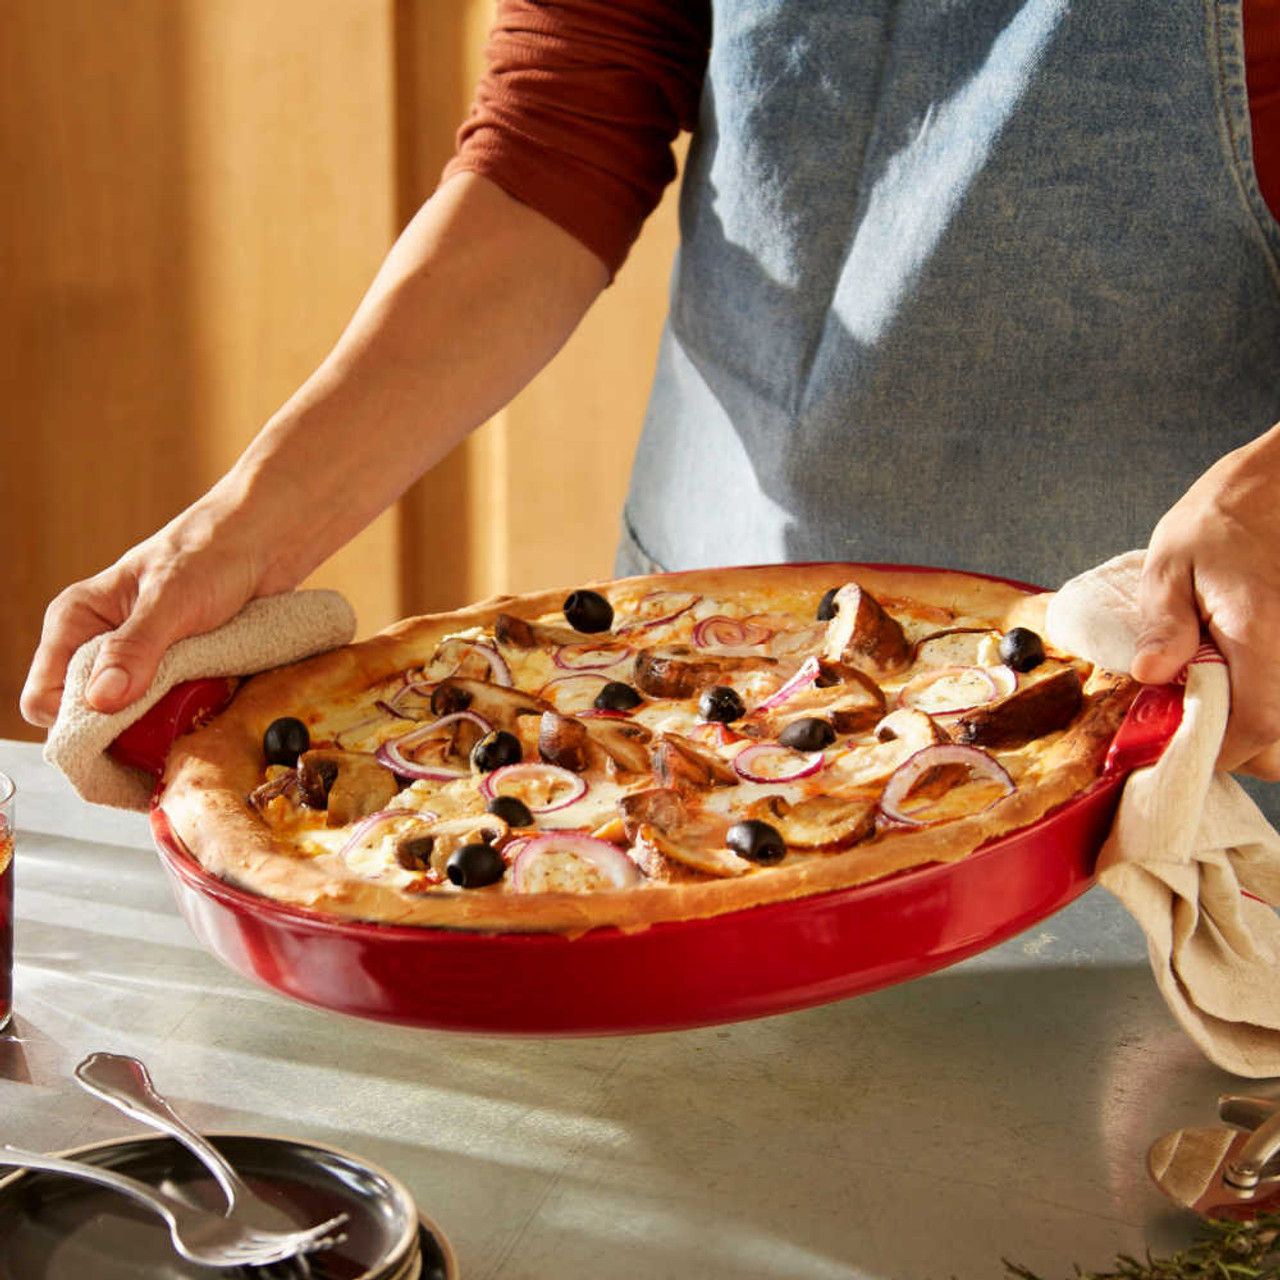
(743, 964)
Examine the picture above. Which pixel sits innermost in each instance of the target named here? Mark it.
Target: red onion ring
(565, 692)
(578, 656)
(344, 736)
(372, 820)
(407, 689)
(803, 679)
(497, 664)
(722, 632)
(802, 763)
(993, 683)
(491, 783)
(392, 752)
(907, 774)
(621, 872)
(674, 603)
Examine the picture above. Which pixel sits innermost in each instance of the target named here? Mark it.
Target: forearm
(476, 296)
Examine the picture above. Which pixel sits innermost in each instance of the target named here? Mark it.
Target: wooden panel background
(197, 194)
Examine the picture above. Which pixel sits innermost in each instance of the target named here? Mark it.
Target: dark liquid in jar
(6, 923)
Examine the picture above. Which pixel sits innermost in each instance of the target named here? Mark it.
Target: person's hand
(1214, 561)
(454, 325)
(184, 580)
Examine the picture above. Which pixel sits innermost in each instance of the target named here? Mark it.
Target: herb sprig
(1222, 1250)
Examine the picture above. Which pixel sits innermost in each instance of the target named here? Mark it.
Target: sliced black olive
(809, 734)
(511, 809)
(495, 750)
(827, 606)
(617, 696)
(588, 611)
(285, 740)
(472, 866)
(756, 841)
(720, 703)
(1021, 649)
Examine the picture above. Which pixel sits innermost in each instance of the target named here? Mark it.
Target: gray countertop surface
(999, 1109)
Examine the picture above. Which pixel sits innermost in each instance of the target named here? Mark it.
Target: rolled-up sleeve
(579, 107)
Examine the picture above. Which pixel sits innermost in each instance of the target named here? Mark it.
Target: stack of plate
(57, 1228)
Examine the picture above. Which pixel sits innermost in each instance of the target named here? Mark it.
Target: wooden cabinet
(197, 194)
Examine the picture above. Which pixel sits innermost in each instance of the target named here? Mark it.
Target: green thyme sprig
(1222, 1250)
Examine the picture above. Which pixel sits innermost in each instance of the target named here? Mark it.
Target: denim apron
(982, 284)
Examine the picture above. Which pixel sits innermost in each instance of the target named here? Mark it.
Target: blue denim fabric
(975, 283)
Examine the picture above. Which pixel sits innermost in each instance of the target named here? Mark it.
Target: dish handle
(145, 743)
(1152, 720)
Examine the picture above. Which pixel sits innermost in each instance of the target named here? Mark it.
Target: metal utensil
(126, 1084)
(1223, 1173)
(208, 1239)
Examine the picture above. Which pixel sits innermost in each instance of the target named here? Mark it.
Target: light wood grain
(197, 193)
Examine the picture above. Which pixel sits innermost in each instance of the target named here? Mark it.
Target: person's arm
(477, 295)
(1214, 560)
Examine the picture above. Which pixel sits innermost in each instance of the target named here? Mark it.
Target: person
(991, 286)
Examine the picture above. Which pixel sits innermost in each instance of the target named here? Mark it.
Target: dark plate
(57, 1228)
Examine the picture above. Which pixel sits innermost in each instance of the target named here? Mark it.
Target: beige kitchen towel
(1190, 855)
(267, 632)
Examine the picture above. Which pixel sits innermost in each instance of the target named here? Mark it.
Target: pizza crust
(211, 772)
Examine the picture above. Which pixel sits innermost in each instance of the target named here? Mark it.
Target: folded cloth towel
(265, 633)
(1190, 855)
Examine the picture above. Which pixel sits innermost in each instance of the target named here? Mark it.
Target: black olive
(756, 841)
(588, 611)
(1021, 649)
(809, 734)
(472, 866)
(285, 740)
(617, 696)
(495, 750)
(512, 810)
(720, 703)
(827, 606)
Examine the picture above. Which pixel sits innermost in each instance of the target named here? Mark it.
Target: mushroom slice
(499, 704)
(863, 635)
(914, 730)
(819, 823)
(907, 724)
(678, 671)
(671, 842)
(519, 633)
(848, 699)
(564, 741)
(676, 760)
(1032, 710)
(624, 742)
(349, 785)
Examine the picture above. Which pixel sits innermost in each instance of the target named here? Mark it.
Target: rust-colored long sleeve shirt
(583, 99)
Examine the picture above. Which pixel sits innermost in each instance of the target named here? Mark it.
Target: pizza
(651, 749)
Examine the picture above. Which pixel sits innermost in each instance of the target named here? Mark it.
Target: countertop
(1001, 1108)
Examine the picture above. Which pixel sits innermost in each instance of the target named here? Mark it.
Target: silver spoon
(209, 1239)
(126, 1084)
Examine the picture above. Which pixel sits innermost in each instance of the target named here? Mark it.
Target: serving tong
(246, 1235)
(1224, 1173)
